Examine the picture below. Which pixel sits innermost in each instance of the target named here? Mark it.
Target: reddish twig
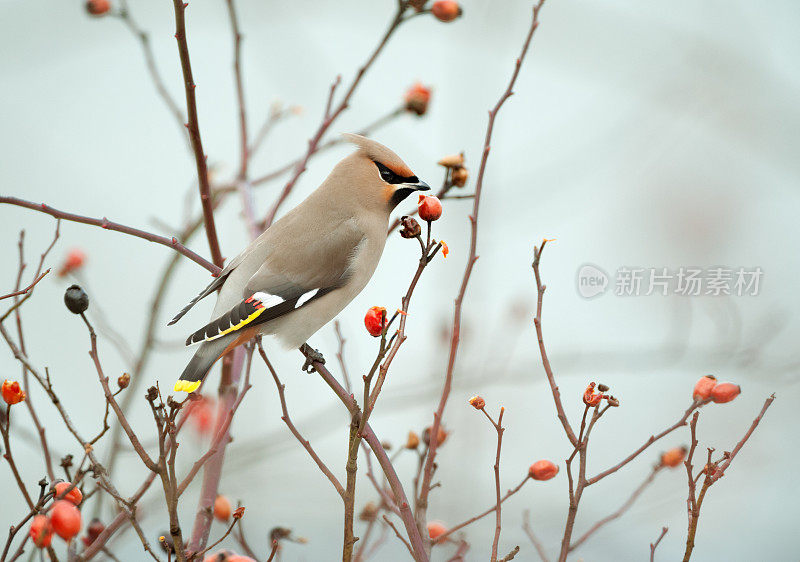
(526, 526)
(654, 545)
(194, 132)
(498, 426)
(288, 421)
(27, 289)
(398, 535)
(115, 226)
(237, 72)
(422, 500)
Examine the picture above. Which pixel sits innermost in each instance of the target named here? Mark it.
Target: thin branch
(237, 71)
(526, 526)
(654, 545)
(115, 226)
(27, 289)
(398, 535)
(422, 500)
(194, 132)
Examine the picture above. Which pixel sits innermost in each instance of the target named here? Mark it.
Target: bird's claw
(312, 356)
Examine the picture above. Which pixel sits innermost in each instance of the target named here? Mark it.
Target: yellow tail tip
(186, 386)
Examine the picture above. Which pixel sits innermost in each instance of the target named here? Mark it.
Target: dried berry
(410, 227)
(76, 299)
(477, 402)
(93, 531)
(673, 457)
(459, 176)
(413, 440)
(124, 380)
(442, 436)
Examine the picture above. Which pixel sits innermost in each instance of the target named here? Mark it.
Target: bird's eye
(387, 175)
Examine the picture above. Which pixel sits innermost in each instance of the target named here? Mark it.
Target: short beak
(419, 186)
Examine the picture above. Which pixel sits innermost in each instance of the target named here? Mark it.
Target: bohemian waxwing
(304, 269)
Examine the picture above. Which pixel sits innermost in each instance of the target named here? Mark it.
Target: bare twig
(654, 545)
(422, 500)
(117, 227)
(526, 526)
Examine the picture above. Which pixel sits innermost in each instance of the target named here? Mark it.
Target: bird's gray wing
(289, 279)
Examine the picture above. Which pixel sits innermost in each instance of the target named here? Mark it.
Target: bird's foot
(312, 356)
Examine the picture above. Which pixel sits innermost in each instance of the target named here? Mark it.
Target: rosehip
(446, 10)
(222, 508)
(239, 558)
(12, 393)
(452, 161)
(74, 260)
(436, 530)
(66, 519)
(542, 470)
(459, 177)
(375, 320)
(93, 531)
(413, 440)
(417, 98)
(477, 402)
(430, 208)
(725, 392)
(74, 495)
(124, 380)
(98, 7)
(673, 457)
(703, 387)
(411, 228)
(41, 531)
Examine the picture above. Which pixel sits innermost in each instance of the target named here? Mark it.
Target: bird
(309, 265)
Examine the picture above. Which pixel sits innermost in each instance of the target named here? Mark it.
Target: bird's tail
(202, 361)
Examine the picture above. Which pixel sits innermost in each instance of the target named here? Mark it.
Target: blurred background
(642, 134)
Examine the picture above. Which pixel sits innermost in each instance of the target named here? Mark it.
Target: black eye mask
(389, 176)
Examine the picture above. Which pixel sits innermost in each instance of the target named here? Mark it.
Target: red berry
(74, 495)
(417, 98)
(93, 531)
(222, 508)
(430, 208)
(542, 470)
(98, 7)
(703, 387)
(725, 392)
(41, 532)
(75, 259)
(375, 320)
(446, 10)
(436, 530)
(12, 393)
(66, 519)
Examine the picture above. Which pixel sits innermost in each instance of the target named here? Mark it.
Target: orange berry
(222, 508)
(725, 392)
(436, 530)
(375, 320)
(66, 519)
(430, 208)
(446, 10)
(201, 414)
(74, 495)
(413, 440)
(703, 387)
(41, 531)
(98, 7)
(542, 470)
(673, 457)
(12, 393)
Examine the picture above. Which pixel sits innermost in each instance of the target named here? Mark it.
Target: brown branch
(237, 71)
(526, 526)
(622, 509)
(331, 114)
(498, 426)
(194, 132)
(27, 289)
(5, 430)
(288, 421)
(654, 545)
(399, 536)
(115, 226)
(723, 466)
(422, 500)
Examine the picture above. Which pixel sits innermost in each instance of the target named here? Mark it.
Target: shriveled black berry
(76, 299)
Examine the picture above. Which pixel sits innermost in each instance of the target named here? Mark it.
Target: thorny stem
(422, 500)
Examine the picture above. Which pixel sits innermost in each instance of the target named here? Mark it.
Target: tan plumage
(303, 270)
